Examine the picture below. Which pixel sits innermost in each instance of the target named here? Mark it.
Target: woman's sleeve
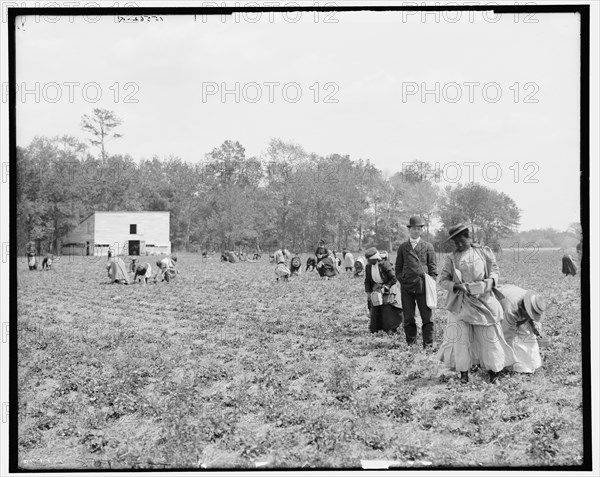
(493, 270)
(391, 275)
(447, 275)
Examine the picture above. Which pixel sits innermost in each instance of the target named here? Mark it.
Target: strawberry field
(227, 368)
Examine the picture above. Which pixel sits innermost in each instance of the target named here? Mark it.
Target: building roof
(124, 212)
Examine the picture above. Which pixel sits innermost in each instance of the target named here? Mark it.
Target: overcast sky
(347, 83)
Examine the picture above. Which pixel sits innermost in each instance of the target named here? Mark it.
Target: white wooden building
(125, 233)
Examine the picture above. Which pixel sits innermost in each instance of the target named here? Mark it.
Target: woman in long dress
(474, 331)
(117, 271)
(383, 293)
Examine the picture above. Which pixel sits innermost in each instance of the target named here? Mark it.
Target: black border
(582, 10)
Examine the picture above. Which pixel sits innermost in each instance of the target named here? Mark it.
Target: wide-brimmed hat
(416, 221)
(458, 228)
(372, 254)
(535, 305)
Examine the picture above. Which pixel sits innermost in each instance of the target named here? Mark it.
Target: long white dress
(520, 338)
(471, 337)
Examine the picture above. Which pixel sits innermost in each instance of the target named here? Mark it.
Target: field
(228, 368)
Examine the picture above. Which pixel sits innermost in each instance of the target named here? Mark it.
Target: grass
(227, 368)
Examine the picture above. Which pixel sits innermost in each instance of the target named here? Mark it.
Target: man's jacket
(412, 265)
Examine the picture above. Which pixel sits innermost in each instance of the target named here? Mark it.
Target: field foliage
(227, 368)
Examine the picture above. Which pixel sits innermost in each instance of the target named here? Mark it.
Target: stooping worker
(166, 269)
(295, 264)
(474, 332)
(523, 310)
(117, 271)
(281, 269)
(328, 267)
(359, 266)
(383, 292)
(143, 271)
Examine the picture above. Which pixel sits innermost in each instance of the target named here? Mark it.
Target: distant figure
(385, 256)
(348, 260)
(328, 267)
(338, 261)
(311, 262)
(295, 265)
(143, 271)
(166, 269)
(117, 271)
(110, 253)
(321, 252)
(281, 268)
(568, 265)
(47, 262)
(359, 266)
(31, 256)
(87, 249)
(133, 265)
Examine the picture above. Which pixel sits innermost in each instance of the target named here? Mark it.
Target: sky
(484, 98)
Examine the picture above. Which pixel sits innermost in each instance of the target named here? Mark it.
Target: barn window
(133, 228)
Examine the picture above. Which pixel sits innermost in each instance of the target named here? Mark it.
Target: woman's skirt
(465, 345)
(524, 342)
(118, 271)
(385, 318)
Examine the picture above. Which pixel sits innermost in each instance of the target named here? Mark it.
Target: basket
(376, 298)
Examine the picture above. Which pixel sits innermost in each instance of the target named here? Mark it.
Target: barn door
(134, 247)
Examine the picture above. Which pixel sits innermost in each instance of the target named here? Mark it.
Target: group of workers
(117, 270)
(492, 326)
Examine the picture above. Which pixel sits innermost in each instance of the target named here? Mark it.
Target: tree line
(285, 196)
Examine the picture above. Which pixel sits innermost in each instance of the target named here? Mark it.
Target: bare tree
(100, 125)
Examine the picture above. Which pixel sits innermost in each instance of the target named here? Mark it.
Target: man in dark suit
(415, 258)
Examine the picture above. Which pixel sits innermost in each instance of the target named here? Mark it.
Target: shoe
(464, 377)
(493, 376)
